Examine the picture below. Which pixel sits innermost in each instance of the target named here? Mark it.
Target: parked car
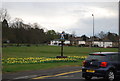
(102, 64)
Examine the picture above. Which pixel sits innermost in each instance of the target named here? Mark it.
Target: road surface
(62, 74)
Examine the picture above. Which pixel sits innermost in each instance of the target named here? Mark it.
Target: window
(113, 57)
(96, 57)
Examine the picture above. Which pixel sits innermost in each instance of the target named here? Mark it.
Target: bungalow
(115, 44)
(98, 43)
(57, 42)
(103, 43)
(87, 43)
(81, 43)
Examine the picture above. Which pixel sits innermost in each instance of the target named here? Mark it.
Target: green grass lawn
(49, 51)
(45, 51)
(42, 66)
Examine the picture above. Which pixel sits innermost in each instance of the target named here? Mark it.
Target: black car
(102, 64)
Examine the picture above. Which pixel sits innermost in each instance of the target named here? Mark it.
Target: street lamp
(93, 30)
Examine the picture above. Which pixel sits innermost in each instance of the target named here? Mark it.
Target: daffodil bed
(35, 60)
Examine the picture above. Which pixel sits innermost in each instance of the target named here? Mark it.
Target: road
(62, 74)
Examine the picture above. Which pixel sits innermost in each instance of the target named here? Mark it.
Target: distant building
(81, 42)
(115, 44)
(99, 43)
(57, 42)
(87, 43)
(104, 44)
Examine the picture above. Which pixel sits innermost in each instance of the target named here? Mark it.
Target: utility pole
(119, 32)
(93, 30)
(119, 28)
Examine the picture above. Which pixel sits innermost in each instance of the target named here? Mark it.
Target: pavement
(62, 74)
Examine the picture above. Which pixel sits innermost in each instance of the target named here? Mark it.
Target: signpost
(62, 39)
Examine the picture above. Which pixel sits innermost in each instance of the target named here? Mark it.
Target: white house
(81, 42)
(55, 42)
(97, 43)
(103, 44)
(107, 44)
(67, 42)
(58, 42)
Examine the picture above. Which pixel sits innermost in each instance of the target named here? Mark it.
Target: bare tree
(36, 25)
(102, 35)
(73, 33)
(17, 23)
(4, 15)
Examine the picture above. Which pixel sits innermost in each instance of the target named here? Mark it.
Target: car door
(113, 60)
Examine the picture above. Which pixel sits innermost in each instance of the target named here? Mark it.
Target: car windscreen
(96, 57)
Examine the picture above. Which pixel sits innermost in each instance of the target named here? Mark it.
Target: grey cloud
(106, 25)
(55, 9)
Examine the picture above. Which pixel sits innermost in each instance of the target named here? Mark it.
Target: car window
(96, 57)
(112, 57)
(115, 57)
(119, 57)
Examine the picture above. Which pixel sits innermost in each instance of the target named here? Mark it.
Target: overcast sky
(67, 16)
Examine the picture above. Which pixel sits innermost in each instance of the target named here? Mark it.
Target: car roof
(105, 53)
